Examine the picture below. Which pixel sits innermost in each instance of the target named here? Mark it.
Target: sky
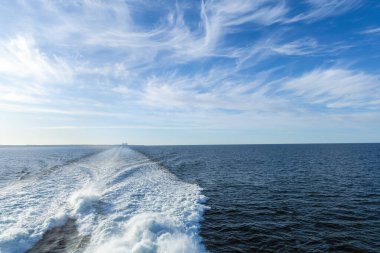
(189, 72)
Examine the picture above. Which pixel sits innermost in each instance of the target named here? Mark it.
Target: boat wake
(116, 201)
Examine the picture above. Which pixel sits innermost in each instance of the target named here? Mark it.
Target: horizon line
(211, 144)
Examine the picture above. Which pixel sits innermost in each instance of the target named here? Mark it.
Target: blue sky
(189, 72)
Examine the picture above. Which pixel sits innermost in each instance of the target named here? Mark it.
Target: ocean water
(233, 198)
(283, 198)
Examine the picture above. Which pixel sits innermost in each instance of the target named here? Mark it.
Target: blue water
(20, 162)
(260, 198)
(283, 198)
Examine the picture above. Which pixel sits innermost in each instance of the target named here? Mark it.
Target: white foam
(152, 232)
(82, 203)
(82, 200)
(126, 202)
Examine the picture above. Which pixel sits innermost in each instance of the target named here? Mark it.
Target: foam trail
(121, 199)
(146, 209)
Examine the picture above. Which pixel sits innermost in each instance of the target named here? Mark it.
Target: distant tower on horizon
(124, 144)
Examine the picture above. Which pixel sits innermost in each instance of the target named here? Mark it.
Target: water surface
(283, 198)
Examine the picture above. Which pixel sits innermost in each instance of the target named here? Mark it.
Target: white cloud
(320, 9)
(223, 17)
(59, 111)
(21, 58)
(26, 72)
(172, 34)
(298, 47)
(21, 93)
(337, 88)
(210, 92)
(232, 13)
(375, 30)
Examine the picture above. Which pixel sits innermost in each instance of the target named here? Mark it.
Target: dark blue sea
(188, 199)
(283, 198)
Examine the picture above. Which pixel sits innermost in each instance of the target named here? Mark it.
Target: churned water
(94, 200)
(283, 198)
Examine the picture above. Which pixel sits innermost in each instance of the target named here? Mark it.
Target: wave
(119, 199)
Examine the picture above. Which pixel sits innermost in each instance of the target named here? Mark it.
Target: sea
(189, 199)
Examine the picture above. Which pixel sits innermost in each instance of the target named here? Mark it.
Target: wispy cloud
(21, 58)
(210, 93)
(221, 17)
(373, 30)
(305, 46)
(26, 72)
(174, 33)
(319, 9)
(337, 88)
